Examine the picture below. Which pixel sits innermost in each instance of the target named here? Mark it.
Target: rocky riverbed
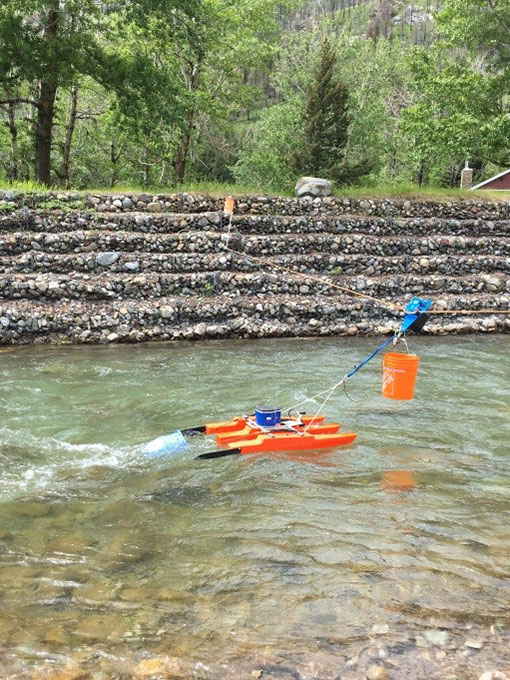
(433, 654)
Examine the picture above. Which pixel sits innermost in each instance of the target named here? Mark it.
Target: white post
(466, 177)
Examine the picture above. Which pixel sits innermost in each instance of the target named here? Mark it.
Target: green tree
(482, 26)
(452, 112)
(236, 39)
(377, 77)
(483, 29)
(46, 45)
(326, 118)
(326, 125)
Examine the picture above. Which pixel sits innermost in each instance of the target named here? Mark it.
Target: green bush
(266, 156)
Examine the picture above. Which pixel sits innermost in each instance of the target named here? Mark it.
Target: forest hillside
(161, 93)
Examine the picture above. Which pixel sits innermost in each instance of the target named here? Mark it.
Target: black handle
(218, 454)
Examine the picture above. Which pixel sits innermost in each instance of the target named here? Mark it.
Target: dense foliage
(160, 92)
(326, 125)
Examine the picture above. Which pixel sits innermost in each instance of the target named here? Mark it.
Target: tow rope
(229, 211)
(266, 431)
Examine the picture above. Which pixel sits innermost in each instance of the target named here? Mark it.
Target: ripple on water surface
(265, 558)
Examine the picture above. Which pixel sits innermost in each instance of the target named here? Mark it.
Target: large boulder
(313, 186)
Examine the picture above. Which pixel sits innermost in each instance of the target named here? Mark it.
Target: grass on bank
(209, 188)
(216, 189)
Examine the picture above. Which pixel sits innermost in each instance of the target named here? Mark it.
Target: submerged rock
(71, 672)
(276, 672)
(380, 628)
(162, 668)
(186, 496)
(474, 643)
(439, 638)
(377, 673)
(100, 627)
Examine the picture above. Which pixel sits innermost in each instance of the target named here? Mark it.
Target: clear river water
(392, 551)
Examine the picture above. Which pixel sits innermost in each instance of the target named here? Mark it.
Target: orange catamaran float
(246, 434)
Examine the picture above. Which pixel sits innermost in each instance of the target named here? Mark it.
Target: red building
(499, 182)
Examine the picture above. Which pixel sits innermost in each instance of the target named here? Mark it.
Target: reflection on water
(397, 480)
(103, 552)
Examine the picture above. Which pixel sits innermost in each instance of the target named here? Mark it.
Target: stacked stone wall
(464, 208)
(106, 268)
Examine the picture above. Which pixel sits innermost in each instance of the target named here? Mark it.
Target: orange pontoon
(290, 441)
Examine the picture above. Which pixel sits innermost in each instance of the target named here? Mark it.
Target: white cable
(226, 237)
(328, 397)
(304, 401)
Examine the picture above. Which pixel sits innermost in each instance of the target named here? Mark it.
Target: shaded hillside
(376, 18)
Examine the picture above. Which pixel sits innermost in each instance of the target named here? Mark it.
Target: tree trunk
(421, 173)
(46, 109)
(146, 169)
(454, 175)
(393, 165)
(163, 177)
(183, 148)
(114, 157)
(71, 124)
(13, 132)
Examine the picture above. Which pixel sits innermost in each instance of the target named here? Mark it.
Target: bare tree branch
(19, 100)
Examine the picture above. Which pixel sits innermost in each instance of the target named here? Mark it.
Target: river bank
(132, 268)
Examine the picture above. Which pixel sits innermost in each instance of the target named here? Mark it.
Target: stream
(393, 551)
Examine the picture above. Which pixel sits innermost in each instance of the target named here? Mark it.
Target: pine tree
(326, 125)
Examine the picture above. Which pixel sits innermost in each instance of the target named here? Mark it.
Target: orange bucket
(399, 375)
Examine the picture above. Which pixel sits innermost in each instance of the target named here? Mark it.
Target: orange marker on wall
(229, 206)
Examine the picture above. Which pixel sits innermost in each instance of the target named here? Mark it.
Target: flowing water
(249, 562)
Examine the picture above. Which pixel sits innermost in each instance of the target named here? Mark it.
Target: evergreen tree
(326, 125)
